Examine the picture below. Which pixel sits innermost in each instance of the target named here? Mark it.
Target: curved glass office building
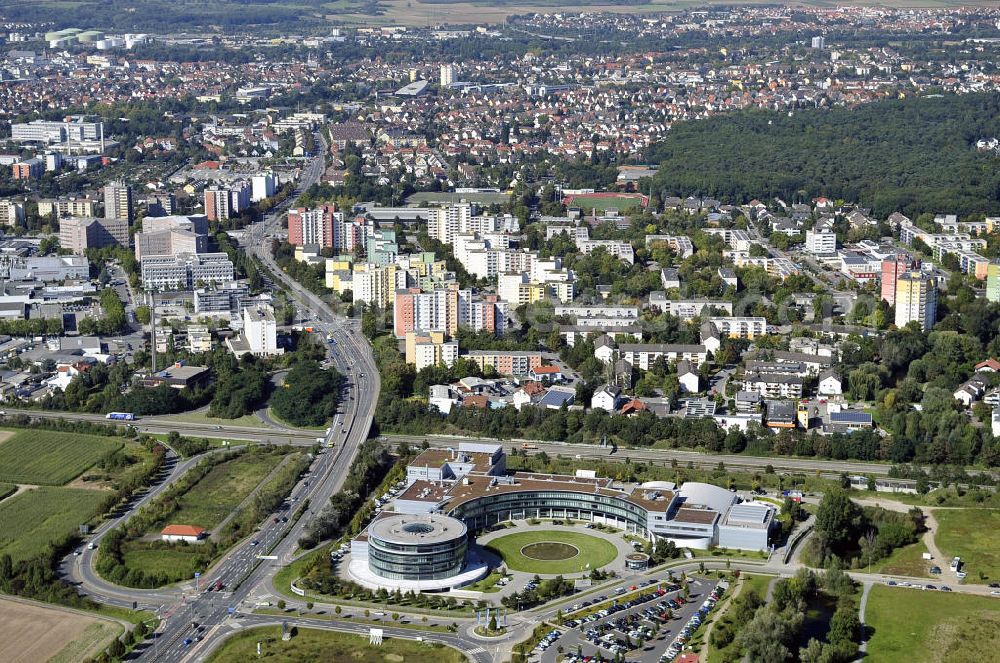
(492, 508)
(417, 547)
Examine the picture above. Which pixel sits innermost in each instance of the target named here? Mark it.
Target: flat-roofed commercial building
(471, 487)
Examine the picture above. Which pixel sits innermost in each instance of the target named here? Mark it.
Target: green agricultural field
(913, 626)
(328, 647)
(973, 535)
(555, 551)
(50, 458)
(34, 519)
(6, 490)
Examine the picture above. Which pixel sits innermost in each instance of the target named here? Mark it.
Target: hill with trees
(910, 155)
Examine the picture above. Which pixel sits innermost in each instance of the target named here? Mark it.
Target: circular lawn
(553, 552)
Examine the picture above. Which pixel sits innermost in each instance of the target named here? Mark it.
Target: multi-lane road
(198, 621)
(194, 619)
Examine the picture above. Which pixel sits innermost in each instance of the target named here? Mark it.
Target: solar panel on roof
(850, 417)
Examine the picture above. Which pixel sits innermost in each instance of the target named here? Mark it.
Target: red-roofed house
(478, 401)
(634, 406)
(547, 374)
(989, 366)
(687, 657)
(188, 533)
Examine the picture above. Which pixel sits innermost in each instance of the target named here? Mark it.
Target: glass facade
(431, 561)
(491, 509)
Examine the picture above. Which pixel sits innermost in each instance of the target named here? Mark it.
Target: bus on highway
(121, 416)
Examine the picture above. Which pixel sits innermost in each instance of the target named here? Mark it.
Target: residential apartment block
(185, 271)
(507, 362)
(740, 327)
(11, 212)
(432, 348)
(916, 299)
(77, 234)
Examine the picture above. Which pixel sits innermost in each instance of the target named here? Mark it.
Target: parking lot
(641, 628)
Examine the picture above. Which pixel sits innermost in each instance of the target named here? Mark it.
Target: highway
(191, 614)
(196, 622)
(665, 456)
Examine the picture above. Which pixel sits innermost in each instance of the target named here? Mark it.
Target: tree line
(911, 155)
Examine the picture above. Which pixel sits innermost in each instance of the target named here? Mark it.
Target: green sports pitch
(553, 551)
(605, 201)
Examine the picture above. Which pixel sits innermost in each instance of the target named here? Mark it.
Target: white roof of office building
(705, 494)
(751, 515)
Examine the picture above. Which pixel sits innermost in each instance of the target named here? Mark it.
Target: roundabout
(552, 552)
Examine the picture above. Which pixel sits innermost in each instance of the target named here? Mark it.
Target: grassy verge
(399, 623)
(486, 585)
(318, 645)
(387, 605)
(6, 490)
(247, 420)
(973, 535)
(907, 561)
(912, 626)
(131, 616)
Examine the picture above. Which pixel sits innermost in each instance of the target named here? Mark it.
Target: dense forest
(911, 155)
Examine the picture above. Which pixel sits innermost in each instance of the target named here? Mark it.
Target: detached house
(830, 383)
(970, 391)
(609, 398)
(688, 377)
(185, 533)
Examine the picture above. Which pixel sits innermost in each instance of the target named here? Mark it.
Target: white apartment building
(689, 309)
(577, 233)
(621, 250)
(259, 335)
(428, 353)
(374, 284)
(679, 244)
(447, 74)
(623, 312)
(262, 186)
(185, 271)
(821, 242)
(443, 223)
(737, 238)
(644, 355)
(740, 327)
(11, 212)
(260, 330)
